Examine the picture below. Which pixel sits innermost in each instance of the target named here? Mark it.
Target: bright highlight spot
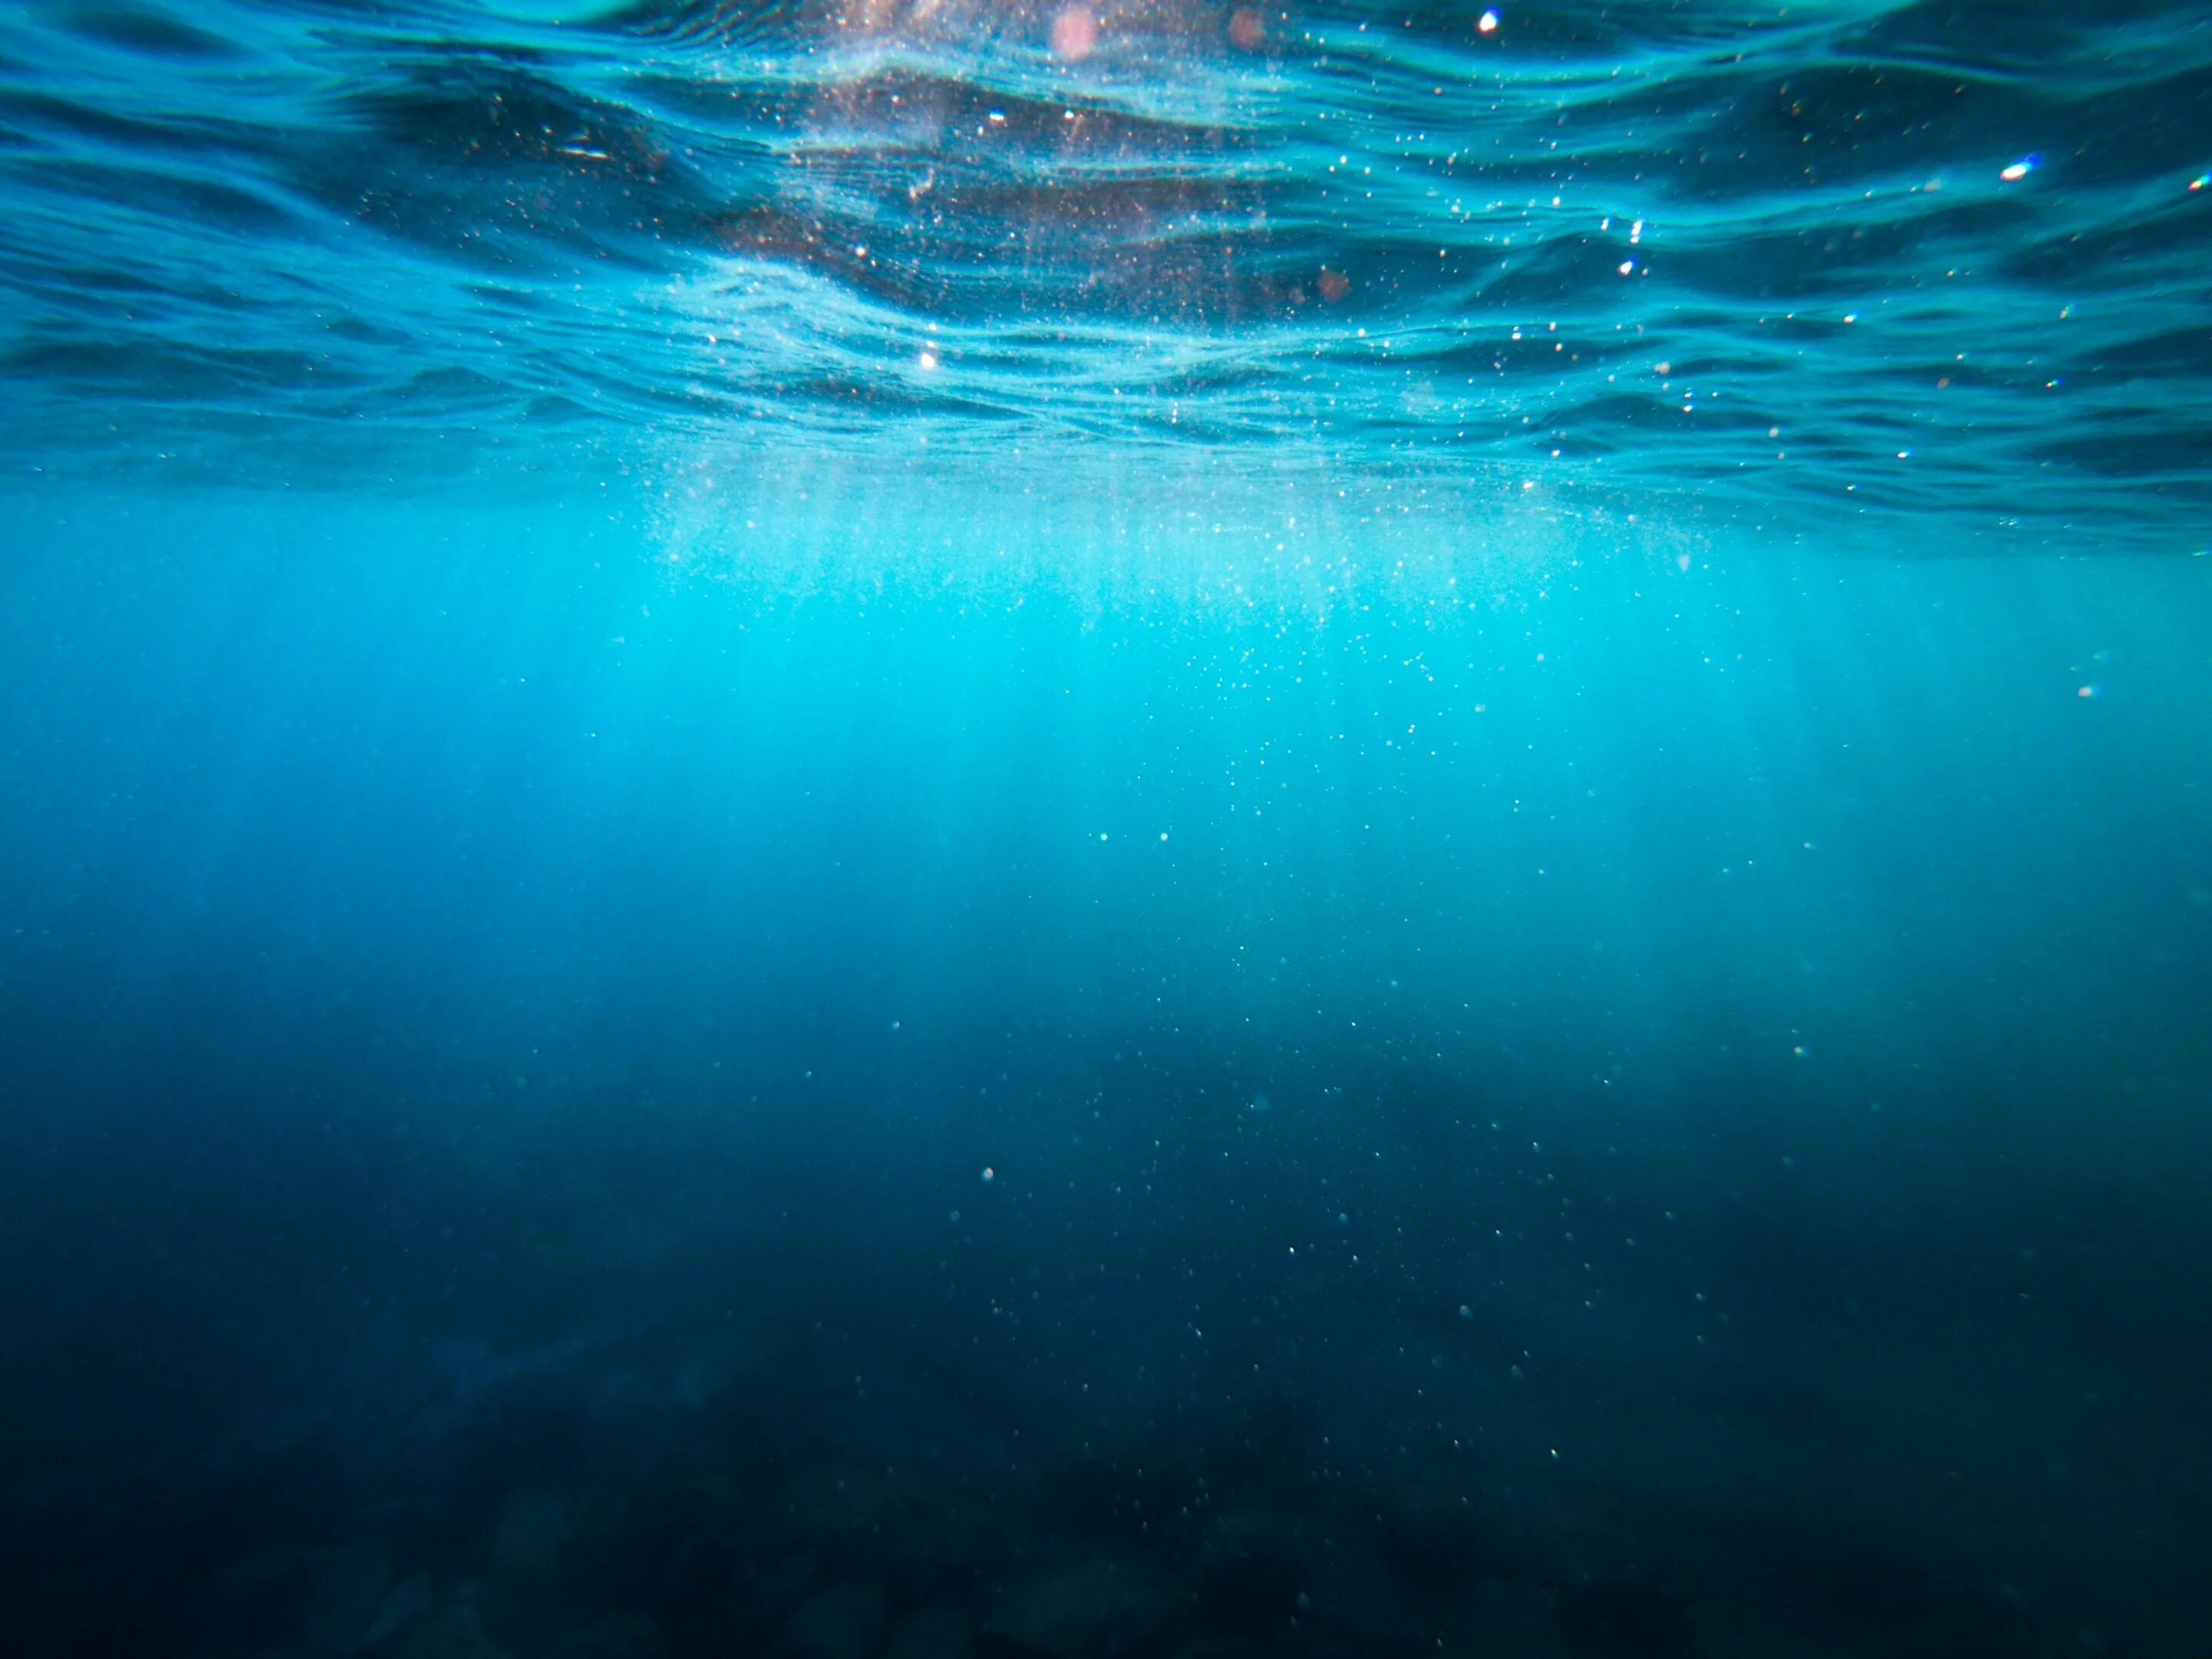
(2020, 169)
(1074, 34)
(1487, 23)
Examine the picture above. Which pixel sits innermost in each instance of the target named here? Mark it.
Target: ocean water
(923, 830)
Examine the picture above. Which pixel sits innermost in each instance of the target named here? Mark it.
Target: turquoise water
(921, 831)
(1815, 264)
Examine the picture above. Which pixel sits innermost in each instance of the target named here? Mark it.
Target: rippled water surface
(1804, 262)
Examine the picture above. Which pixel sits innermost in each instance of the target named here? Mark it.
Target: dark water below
(938, 832)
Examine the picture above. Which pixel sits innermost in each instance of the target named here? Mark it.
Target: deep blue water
(925, 831)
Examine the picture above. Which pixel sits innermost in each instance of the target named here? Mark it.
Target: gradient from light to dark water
(927, 830)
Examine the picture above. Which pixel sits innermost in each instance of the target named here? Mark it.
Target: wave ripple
(1944, 259)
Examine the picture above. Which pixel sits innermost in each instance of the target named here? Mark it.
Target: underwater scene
(1105, 830)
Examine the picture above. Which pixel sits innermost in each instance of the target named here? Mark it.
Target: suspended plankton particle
(1488, 21)
(2020, 169)
(2200, 181)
